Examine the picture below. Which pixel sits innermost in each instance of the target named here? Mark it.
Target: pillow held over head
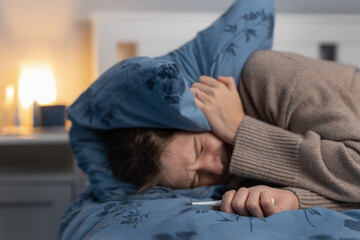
(146, 92)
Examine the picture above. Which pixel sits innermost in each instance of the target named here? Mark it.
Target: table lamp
(37, 88)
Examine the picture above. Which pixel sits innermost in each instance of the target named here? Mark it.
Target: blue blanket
(161, 214)
(145, 92)
(108, 209)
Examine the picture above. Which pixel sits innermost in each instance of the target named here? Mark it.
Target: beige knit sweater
(302, 128)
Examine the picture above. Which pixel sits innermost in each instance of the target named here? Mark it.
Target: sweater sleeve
(302, 127)
(308, 199)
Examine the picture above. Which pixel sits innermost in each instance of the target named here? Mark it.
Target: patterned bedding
(161, 214)
(108, 209)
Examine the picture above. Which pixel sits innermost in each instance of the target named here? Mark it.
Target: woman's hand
(258, 201)
(219, 100)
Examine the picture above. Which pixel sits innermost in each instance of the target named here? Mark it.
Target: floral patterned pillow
(155, 92)
(137, 92)
(146, 92)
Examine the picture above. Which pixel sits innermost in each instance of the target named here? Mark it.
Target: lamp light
(37, 85)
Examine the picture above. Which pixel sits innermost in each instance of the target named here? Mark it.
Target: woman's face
(193, 160)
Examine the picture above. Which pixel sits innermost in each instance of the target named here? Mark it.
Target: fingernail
(273, 201)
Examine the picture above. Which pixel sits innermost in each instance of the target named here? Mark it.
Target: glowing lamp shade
(36, 83)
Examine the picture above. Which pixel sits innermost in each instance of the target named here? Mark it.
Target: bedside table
(39, 178)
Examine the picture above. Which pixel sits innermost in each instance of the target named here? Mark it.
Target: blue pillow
(146, 92)
(138, 92)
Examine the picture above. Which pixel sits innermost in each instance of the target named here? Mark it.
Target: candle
(9, 95)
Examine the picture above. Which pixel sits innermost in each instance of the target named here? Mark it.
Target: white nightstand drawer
(32, 212)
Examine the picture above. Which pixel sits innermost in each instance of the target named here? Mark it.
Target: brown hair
(134, 154)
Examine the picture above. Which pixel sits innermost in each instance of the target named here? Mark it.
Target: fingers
(239, 202)
(243, 202)
(228, 81)
(206, 89)
(249, 202)
(208, 85)
(201, 99)
(208, 81)
(267, 203)
(227, 200)
(195, 92)
(253, 204)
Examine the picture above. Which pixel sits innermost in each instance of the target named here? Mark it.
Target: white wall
(58, 31)
(282, 6)
(52, 31)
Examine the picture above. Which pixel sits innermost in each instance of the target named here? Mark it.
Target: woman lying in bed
(295, 125)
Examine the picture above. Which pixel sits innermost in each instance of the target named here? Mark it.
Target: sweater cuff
(308, 199)
(265, 152)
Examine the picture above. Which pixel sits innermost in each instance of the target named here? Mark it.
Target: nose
(211, 165)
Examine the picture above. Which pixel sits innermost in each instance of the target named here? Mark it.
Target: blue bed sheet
(161, 214)
(108, 209)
